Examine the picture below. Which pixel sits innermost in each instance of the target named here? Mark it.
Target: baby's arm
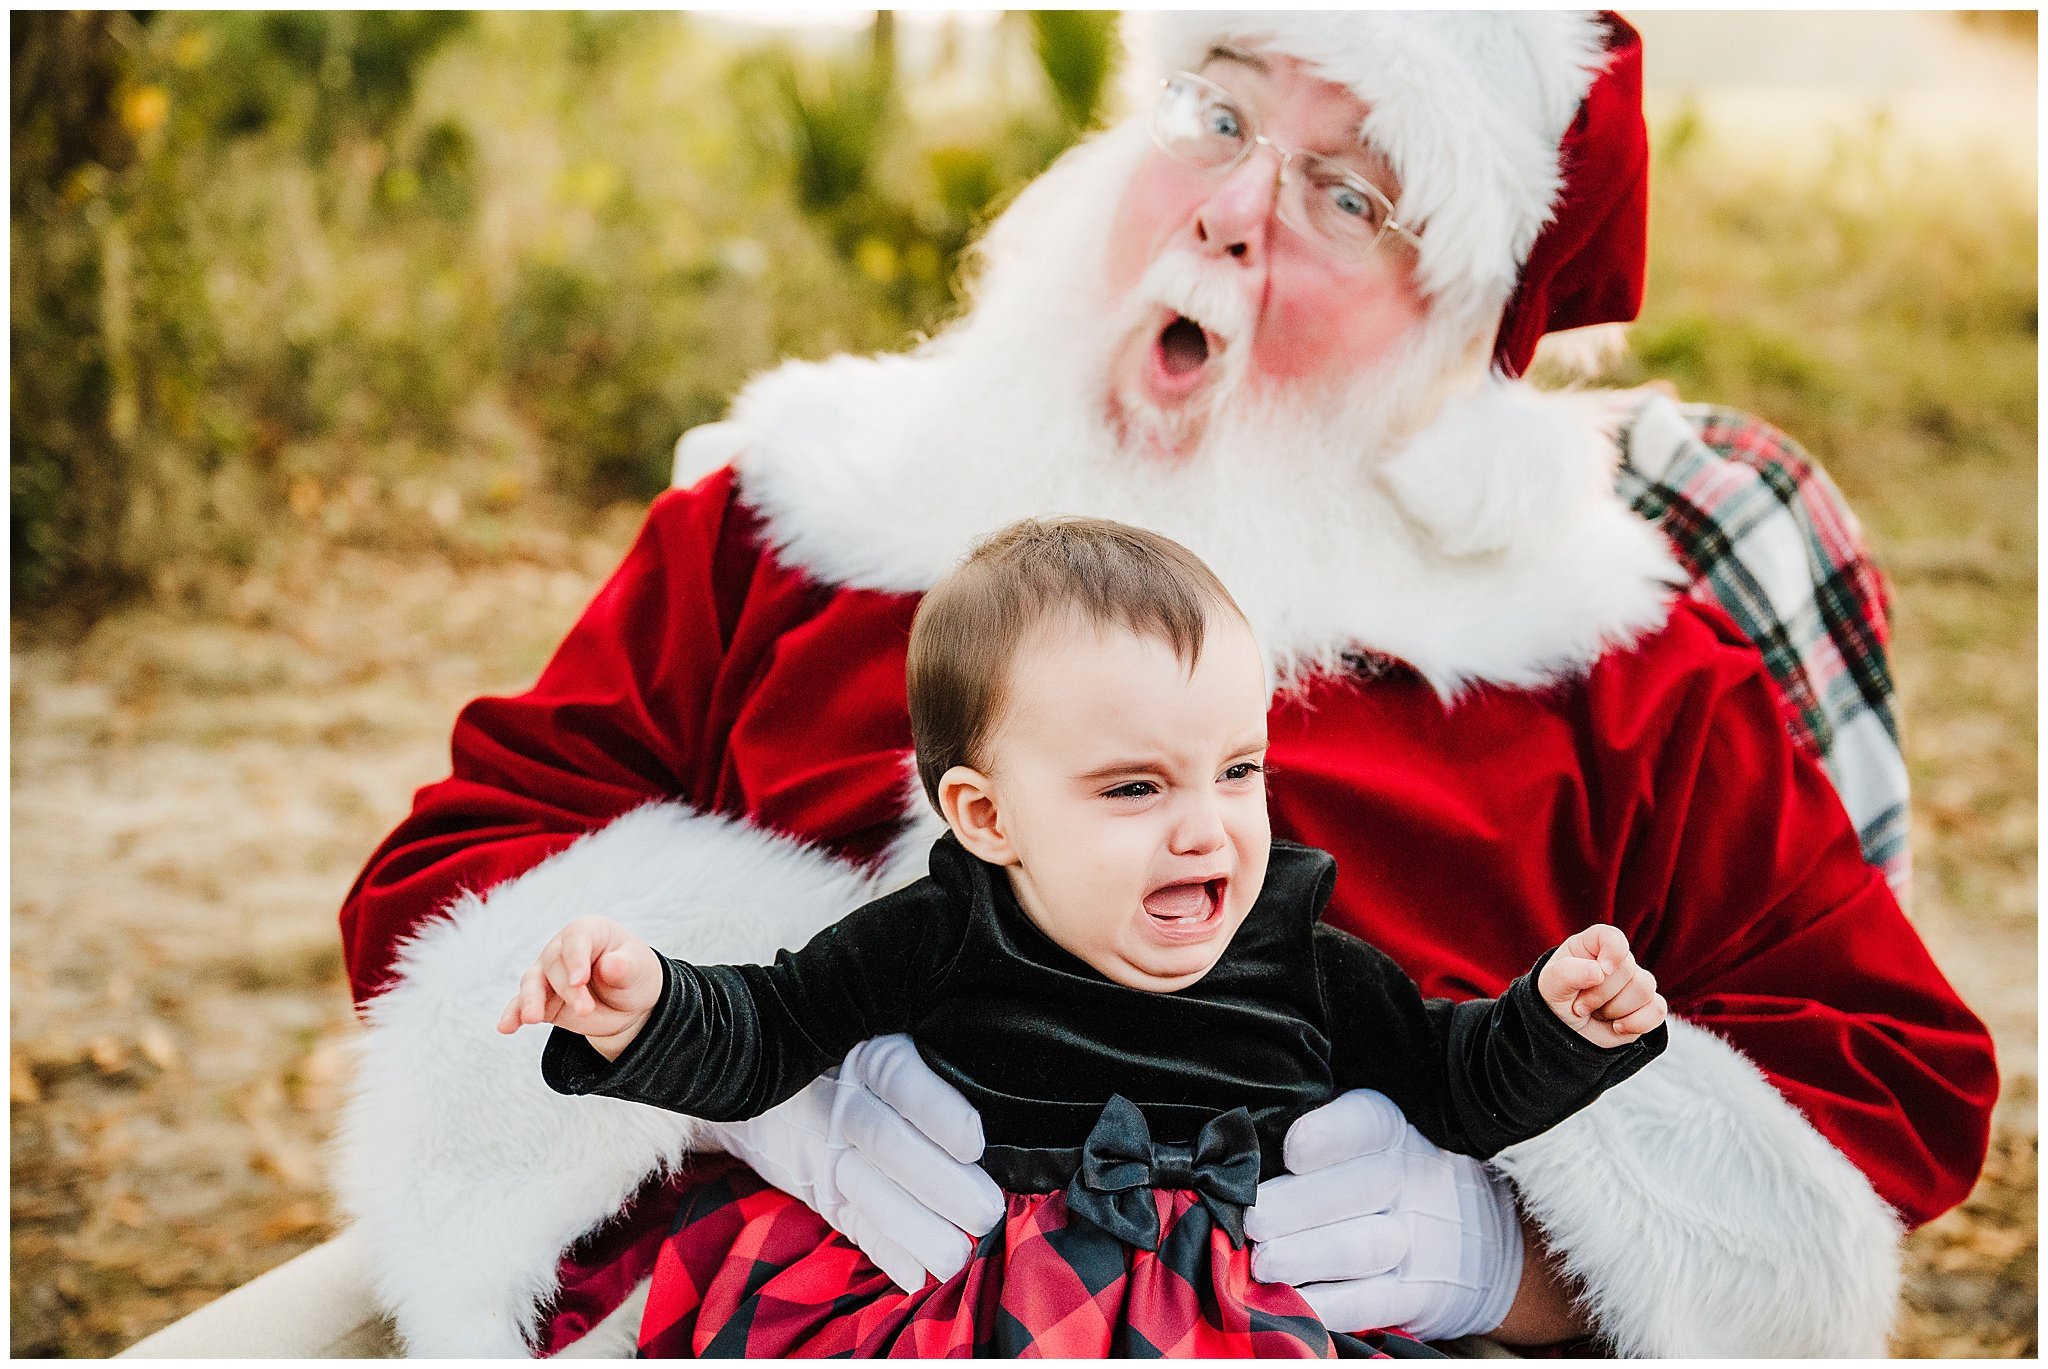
(594, 978)
(1473, 1076)
(726, 1042)
(1596, 988)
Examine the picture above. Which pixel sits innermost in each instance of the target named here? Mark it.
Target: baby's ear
(967, 801)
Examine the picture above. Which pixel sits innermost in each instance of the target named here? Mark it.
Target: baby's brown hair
(969, 625)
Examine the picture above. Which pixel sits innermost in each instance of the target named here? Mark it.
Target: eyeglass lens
(1200, 123)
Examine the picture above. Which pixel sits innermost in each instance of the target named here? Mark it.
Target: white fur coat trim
(1491, 548)
(465, 1176)
(1470, 107)
(1707, 1219)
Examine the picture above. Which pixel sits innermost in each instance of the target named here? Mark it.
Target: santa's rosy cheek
(1323, 322)
(1298, 338)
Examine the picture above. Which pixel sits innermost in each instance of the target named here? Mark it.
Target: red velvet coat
(1659, 792)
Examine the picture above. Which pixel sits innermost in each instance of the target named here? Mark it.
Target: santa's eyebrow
(1364, 158)
(1243, 57)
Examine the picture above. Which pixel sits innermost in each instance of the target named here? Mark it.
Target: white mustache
(1184, 283)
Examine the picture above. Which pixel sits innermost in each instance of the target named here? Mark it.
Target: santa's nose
(1236, 220)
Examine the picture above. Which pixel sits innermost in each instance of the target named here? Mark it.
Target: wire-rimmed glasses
(1202, 124)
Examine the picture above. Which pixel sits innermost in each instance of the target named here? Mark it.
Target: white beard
(1042, 337)
(1466, 526)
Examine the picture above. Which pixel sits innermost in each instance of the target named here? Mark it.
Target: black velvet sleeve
(731, 1041)
(1473, 1077)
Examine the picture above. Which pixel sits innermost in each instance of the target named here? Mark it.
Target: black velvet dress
(1129, 1128)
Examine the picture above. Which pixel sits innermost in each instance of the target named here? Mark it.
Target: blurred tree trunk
(67, 68)
(882, 48)
(68, 145)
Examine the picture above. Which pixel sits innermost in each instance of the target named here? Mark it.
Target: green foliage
(148, 427)
(436, 175)
(348, 269)
(596, 38)
(318, 76)
(1076, 49)
(834, 120)
(587, 363)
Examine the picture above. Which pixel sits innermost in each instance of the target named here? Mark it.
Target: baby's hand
(1594, 984)
(595, 979)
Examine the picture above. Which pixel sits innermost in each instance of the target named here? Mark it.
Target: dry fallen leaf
(114, 1143)
(2000, 1243)
(53, 1051)
(21, 1080)
(294, 1164)
(1953, 1259)
(295, 1219)
(158, 1048)
(260, 1103)
(326, 1063)
(108, 1054)
(317, 1083)
(125, 1209)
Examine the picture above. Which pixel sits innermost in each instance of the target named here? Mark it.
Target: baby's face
(1132, 795)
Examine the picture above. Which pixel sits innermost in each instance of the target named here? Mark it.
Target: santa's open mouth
(1181, 352)
(1183, 347)
(1186, 911)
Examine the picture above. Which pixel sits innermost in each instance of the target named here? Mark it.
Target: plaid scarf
(1766, 535)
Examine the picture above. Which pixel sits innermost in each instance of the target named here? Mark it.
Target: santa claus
(1278, 315)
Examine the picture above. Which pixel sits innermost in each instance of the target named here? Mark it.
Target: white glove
(1375, 1226)
(884, 1150)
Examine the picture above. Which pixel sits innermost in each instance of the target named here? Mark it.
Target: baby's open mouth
(1185, 903)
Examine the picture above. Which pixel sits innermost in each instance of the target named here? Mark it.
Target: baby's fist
(595, 979)
(1595, 986)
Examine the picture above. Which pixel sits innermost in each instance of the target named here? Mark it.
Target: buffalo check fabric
(1766, 536)
(749, 1270)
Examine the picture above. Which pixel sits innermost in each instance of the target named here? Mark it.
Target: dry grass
(192, 795)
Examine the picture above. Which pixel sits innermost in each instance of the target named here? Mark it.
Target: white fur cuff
(465, 1176)
(1706, 1218)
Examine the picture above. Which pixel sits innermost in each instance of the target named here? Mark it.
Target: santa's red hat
(1518, 138)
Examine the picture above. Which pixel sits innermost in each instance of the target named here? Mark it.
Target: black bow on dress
(1121, 1164)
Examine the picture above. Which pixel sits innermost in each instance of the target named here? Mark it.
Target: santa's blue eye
(1223, 122)
(1243, 770)
(1136, 789)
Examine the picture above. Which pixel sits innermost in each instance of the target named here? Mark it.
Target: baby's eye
(1243, 770)
(1136, 789)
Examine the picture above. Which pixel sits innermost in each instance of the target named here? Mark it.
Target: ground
(194, 789)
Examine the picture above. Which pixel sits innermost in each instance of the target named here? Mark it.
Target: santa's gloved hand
(1376, 1227)
(883, 1149)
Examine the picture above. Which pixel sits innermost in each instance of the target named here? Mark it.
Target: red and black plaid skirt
(749, 1270)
